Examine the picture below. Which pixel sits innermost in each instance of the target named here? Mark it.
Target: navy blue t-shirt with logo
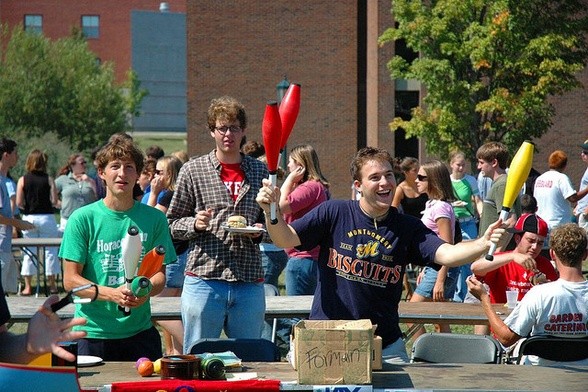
(361, 264)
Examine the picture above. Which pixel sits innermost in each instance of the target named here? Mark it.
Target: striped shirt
(215, 253)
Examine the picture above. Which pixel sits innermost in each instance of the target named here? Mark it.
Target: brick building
(244, 48)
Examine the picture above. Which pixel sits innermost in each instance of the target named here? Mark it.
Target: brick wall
(60, 16)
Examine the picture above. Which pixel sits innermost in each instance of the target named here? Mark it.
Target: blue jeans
(273, 264)
(469, 231)
(174, 272)
(301, 276)
(209, 306)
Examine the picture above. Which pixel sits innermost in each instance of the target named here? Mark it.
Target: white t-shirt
(557, 308)
(552, 189)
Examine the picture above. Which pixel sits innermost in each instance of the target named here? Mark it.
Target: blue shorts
(174, 273)
(425, 288)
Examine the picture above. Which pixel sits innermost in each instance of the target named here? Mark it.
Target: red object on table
(198, 385)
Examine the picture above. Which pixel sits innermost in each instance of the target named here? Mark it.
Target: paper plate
(244, 230)
(88, 360)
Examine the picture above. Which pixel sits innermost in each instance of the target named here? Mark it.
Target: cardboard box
(333, 351)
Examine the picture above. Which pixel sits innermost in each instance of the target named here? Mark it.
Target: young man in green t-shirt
(91, 250)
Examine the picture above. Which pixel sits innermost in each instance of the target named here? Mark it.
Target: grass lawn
(170, 142)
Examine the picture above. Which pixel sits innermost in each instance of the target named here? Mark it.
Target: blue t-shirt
(361, 266)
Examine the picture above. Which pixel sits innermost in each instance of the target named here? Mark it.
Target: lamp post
(281, 89)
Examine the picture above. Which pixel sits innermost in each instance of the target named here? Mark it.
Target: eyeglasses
(224, 129)
(421, 178)
(158, 172)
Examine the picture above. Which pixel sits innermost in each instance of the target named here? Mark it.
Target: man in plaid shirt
(223, 286)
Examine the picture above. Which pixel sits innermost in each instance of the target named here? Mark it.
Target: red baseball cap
(530, 223)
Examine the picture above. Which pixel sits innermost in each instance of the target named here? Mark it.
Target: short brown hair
(494, 150)
(367, 154)
(123, 149)
(558, 160)
(569, 243)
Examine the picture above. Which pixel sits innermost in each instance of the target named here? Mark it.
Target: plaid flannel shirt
(215, 253)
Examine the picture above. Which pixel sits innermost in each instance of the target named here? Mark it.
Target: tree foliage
(488, 67)
(59, 87)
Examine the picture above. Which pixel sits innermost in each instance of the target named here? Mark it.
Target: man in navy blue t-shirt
(365, 247)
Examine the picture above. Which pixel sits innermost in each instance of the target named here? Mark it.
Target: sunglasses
(421, 178)
(585, 152)
(158, 172)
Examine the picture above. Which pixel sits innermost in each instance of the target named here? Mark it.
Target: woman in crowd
(163, 185)
(304, 188)
(408, 200)
(433, 179)
(75, 188)
(466, 208)
(36, 196)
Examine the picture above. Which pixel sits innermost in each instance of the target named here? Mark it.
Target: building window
(33, 23)
(91, 26)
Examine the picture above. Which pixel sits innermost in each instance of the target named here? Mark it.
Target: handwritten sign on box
(333, 351)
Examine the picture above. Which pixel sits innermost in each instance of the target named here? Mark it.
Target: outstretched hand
(46, 330)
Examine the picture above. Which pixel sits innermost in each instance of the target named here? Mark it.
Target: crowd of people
(352, 255)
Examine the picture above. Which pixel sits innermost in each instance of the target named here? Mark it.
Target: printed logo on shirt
(234, 188)
(566, 323)
(543, 183)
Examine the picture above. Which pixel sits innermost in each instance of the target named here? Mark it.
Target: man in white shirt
(581, 211)
(557, 308)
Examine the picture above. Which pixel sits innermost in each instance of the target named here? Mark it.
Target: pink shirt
(435, 209)
(302, 199)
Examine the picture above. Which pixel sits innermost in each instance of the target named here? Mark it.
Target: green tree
(59, 87)
(488, 67)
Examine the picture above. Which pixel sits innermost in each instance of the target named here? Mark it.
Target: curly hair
(226, 109)
(569, 243)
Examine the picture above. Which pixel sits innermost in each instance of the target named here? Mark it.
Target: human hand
(267, 194)
(495, 234)
(438, 294)
(202, 219)
(46, 330)
(297, 175)
(476, 287)
(157, 184)
(24, 225)
(524, 260)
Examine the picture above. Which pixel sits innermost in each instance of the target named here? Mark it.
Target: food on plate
(237, 221)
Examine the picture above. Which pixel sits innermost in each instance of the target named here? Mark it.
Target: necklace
(375, 218)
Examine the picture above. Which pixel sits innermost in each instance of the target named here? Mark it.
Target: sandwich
(237, 221)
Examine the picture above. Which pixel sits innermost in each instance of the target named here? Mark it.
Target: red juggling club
(289, 108)
(271, 131)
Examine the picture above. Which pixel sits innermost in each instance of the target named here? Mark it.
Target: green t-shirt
(93, 237)
(463, 191)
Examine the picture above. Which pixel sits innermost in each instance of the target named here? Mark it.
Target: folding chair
(249, 350)
(271, 291)
(456, 348)
(554, 348)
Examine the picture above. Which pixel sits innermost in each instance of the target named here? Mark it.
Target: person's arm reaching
(466, 251)
(45, 330)
(502, 332)
(482, 266)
